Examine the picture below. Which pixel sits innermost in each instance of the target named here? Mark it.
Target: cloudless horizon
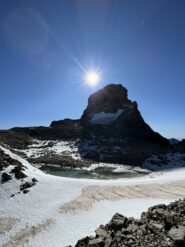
(46, 47)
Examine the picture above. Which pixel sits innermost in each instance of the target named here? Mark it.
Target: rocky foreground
(13, 169)
(38, 216)
(160, 226)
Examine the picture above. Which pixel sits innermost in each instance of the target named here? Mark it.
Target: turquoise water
(99, 173)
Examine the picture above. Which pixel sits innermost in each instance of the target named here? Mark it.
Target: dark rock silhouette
(109, 99)
(125, 122)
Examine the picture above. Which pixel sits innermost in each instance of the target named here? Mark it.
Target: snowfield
(58, 211)
(39, 148)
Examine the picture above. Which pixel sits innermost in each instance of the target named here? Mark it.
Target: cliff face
(110, 113)
(108, 100)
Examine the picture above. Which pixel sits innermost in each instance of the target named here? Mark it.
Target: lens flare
(92, 78)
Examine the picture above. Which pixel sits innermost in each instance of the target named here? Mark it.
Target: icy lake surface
(99, 173)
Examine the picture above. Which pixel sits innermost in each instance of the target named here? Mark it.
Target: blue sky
(45, 46)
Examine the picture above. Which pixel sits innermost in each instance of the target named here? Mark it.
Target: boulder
(101, 232)
(117, 222)
(19, 174)
(83, 242)
(98, 242)
(177, 235)
(5, 177)
(26, 185)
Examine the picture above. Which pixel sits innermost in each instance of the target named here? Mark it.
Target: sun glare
(92, 78)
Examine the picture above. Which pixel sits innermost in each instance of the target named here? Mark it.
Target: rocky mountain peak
(111, 114)
(113, 99)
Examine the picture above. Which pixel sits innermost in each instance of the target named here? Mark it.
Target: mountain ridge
(111, 129)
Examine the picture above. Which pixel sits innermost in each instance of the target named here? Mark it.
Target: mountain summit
(111, 99)
(110, 113)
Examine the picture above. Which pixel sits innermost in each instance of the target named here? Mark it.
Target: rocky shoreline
(161, 225)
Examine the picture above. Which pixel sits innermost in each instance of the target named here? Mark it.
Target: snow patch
(164, 162)
(40, 148)
(105, 118)
(116, 168)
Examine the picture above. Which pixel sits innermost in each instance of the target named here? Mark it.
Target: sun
(92, 78)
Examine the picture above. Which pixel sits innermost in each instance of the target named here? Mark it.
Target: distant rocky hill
(181, 146)
(111, 129)
(160, 226)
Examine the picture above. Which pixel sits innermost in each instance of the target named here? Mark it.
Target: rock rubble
(160, 226)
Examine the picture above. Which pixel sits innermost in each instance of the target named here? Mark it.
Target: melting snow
(50, 193)
(39, 148)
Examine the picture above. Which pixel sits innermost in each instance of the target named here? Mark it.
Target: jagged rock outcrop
(109, 100)
(161, 225)
(110, 113)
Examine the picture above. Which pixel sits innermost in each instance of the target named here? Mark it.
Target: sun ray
(92, 78)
